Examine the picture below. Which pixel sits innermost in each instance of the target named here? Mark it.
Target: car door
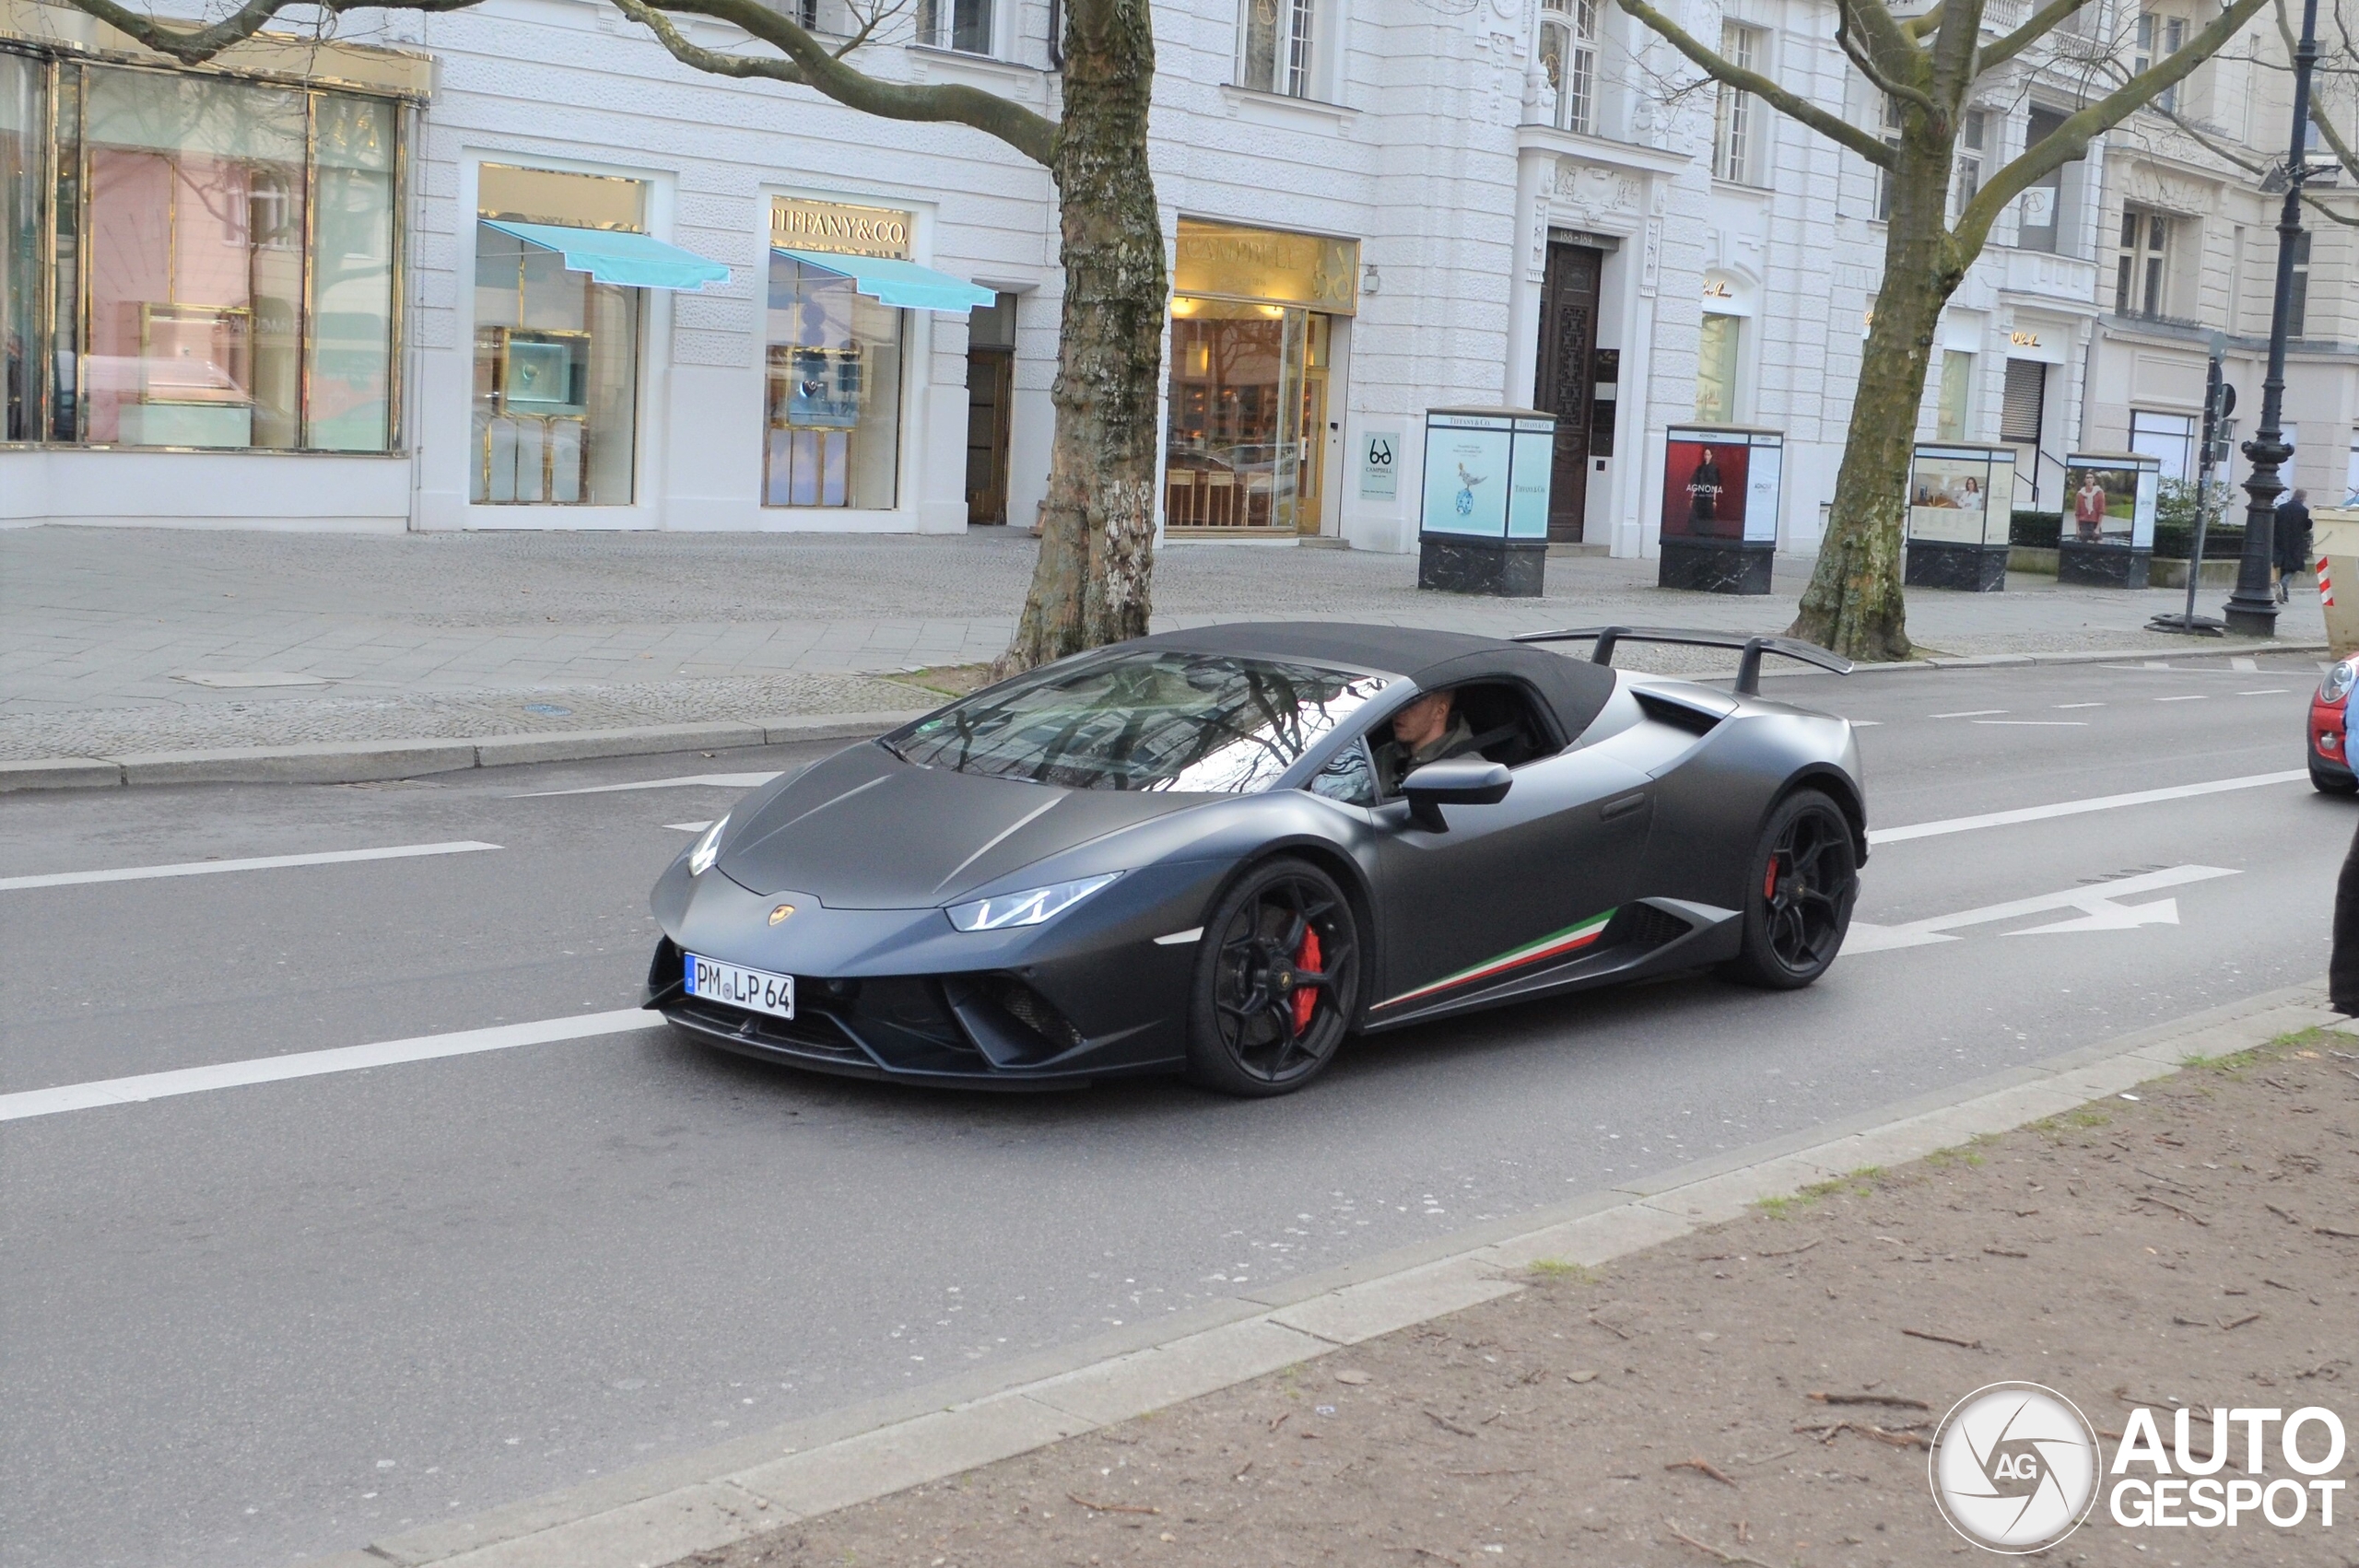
(1510, 888)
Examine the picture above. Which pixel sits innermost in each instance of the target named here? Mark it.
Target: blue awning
(633, 261)
(904, 284)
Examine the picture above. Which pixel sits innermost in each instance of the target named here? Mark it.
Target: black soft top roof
(1576, 688)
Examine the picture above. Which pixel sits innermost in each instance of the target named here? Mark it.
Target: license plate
(754, 990)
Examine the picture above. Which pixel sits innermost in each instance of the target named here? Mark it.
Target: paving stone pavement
(388, 636)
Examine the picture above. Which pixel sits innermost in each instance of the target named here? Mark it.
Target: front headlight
(706, 850)
(2338, 682)
(1027, 908)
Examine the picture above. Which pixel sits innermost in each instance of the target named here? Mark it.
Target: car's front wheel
(1805, 876)
(1277, 979)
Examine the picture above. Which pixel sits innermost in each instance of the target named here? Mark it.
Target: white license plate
(754, 990)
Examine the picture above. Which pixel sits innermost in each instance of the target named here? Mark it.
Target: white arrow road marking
(2074, 808)
(2096, 902)
(310, 1064)
(258, 864)
(717, 780)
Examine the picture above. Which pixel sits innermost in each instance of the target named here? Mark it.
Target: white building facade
(514, 268)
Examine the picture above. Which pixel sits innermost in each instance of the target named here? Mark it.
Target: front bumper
(2330, 742)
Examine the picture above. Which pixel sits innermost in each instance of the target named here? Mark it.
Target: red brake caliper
(1769, 883)
(1305, 1001)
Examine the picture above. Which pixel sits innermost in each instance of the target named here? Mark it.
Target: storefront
(1256, 324)
(201, 261)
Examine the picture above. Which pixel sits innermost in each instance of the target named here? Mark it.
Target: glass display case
(1721, 489)
(2107, 537)
(1483, 524)
(1961, 504)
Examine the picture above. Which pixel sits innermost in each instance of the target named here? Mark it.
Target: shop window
(833, 359)
(24, 119)
(1569, 62)
(1954, 408)
(2169, 438)
(964, 25)
(1716, 369)
(556, 380)
(1736, 114)
(2142, 265)
(1274, 46)
(214, 267)
(1248, 399)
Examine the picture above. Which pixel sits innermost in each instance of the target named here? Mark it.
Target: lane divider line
(2075, 808)
(712, 781)
(312, 1064)
(255, 864)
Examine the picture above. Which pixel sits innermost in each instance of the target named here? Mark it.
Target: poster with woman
(2110, 501)
(1961, 495)
(1721, 483)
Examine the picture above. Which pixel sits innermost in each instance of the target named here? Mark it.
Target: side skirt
(1713, 935)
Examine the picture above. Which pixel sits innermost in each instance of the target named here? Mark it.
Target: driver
(1426, 730)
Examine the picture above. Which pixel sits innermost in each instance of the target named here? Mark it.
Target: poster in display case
(2107, 539)
(1482, 527)
(1961, 506)
(1721, 490)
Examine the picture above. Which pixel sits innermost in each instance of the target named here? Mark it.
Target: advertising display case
(1721, 492)
(2107, 539)
(1961, 503)
(1483, 524)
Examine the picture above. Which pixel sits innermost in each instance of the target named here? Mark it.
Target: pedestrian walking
(2293, 542)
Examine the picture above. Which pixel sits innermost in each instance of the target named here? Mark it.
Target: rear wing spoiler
(1748, 664)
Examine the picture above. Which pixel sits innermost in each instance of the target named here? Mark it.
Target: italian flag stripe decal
(1572, 939)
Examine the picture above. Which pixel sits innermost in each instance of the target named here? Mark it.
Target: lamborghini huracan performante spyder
(1214, 852)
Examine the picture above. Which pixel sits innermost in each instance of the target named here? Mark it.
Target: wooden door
(990, 380)
(1567, 343)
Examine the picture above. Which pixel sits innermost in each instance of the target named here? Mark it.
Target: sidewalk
(116, 641)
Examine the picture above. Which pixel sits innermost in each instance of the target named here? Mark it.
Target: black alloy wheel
(1277, 981)
(1805, 877)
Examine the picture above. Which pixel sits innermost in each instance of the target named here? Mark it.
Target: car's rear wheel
(1277, 980)
(1804, 878)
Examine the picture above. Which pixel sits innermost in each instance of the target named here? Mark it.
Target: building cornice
(1599, 150)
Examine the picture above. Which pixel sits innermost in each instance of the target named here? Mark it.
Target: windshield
(1195, 722)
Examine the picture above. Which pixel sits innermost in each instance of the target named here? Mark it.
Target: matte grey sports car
(1222, 851)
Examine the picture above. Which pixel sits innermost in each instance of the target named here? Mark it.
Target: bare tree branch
(1834, 127)
(1925, 26)
(2042, 22)
(194, 45)
(1859, 57)
(2070, 140)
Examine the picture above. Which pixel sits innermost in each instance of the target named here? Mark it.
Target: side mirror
(1453, 781)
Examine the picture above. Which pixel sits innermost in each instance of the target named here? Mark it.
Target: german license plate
(754, 990)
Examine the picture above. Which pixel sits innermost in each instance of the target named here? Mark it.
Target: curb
(361, 762)
(703, 1501)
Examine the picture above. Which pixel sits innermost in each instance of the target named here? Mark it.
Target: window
(242, 243)
(2042, 225)
(1736, 117)
(1716, 369)
(964, 25)
(2142, 268)
(1973, 130)
(1276, 52)
(834, 359)
(1891, 134)
(557, 379)
(2168, 437)
(1568, 60)
(1958, 392)
(2297, 299)
(2159, 38)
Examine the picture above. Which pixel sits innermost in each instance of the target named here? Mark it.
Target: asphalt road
(247, 1324)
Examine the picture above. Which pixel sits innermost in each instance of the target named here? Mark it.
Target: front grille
(815, 1035)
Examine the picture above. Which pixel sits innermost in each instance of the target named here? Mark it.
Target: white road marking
(689, 827)
(1865, 723)
(2060, 706)
(310, 1064)
(2064, 724)
(1177, 938)
(1969, 713)
(2096, 902)
(2267, 691)
(2074, 808)
(258, 864)
(2243, 663)
(2196, 697)
(716, 780)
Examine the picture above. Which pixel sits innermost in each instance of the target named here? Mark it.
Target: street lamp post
(2251, 610)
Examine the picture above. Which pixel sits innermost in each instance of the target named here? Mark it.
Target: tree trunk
(1854, 604)
(1091, 584)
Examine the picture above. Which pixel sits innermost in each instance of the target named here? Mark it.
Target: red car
(2329, 729)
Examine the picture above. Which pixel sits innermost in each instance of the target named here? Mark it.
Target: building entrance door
(990, 390)
(1568, 345)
